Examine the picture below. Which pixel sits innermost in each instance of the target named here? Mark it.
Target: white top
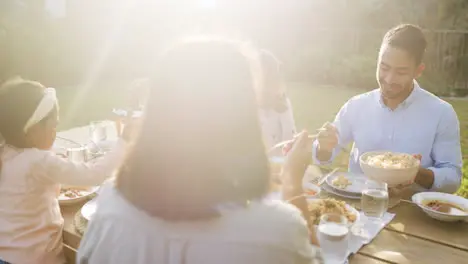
(270, 232)
(30, 219)
(277, 127)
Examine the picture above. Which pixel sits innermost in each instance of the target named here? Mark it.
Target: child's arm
(62, 171)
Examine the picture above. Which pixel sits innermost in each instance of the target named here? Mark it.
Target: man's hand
(397, 190)
(327, 141)
(424, 177)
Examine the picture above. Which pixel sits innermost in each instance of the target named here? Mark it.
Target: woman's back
(264, 232)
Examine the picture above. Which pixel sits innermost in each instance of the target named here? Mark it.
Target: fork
(320, 180)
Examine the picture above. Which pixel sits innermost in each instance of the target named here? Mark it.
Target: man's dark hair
(409, 38)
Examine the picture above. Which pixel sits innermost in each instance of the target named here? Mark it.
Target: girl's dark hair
(19, 99)
(199, 144)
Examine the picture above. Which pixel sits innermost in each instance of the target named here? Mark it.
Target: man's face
(396, 70)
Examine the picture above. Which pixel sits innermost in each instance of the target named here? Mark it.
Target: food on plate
(71, 193)
(445, 207)
(310, 192)
(319, 207)
(341, 182)
(389, 160)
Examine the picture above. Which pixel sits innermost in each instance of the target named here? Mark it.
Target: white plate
(88, 210)
(87, 191)
(358, 182)
(339, 193)
(354, 212)
(420, 198)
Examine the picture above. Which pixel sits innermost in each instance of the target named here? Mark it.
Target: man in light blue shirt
(399, 116)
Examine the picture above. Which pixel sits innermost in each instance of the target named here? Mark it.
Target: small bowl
(87, 192)
(420, 198)
(391, 176)
(311, 187)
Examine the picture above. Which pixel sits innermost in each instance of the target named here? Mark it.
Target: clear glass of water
(98, 131)
(374, 200)
(78, 154)
(333, 236)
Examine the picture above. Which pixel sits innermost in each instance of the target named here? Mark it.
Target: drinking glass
(333, 236)
(374, 200)
(276, 166)
(78, 154)
(98, 131)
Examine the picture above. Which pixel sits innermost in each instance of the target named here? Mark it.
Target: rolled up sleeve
(446, 154)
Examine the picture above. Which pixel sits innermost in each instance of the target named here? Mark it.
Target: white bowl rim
(313, 187)
(415, 199)
(417, 162)
(92, 190)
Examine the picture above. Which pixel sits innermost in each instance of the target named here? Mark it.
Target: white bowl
(309, 186)
(391, 176)
(88, 210)
(420, 198)
(87, 191)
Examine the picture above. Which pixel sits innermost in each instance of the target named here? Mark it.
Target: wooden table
(412, 237)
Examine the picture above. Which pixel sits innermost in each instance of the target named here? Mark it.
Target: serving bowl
(392, 176)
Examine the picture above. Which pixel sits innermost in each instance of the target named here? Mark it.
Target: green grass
(314, 105)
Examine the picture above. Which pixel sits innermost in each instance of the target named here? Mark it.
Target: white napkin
(365, 231)
(362, 232)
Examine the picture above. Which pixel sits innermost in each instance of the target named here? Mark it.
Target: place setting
(100, 140)
(350, 209)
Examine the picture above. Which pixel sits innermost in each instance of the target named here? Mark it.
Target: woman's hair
(199, 144)
(272, 89)
(19, 99)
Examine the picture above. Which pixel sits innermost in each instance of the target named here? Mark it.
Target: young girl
(276, 114)
(30, 219)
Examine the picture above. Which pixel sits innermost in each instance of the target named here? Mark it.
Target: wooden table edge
(374, 257)
(389, 228)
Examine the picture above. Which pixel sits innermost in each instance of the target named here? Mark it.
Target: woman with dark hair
(276, 115)
(192, 187)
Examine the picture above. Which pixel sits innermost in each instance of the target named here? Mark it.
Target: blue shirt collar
(408, 101)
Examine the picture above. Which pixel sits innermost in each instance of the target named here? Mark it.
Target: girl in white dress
(276, 114)
(192, 188)
(30, 175)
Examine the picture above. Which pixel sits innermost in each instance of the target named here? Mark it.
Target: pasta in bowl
(391, 167)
